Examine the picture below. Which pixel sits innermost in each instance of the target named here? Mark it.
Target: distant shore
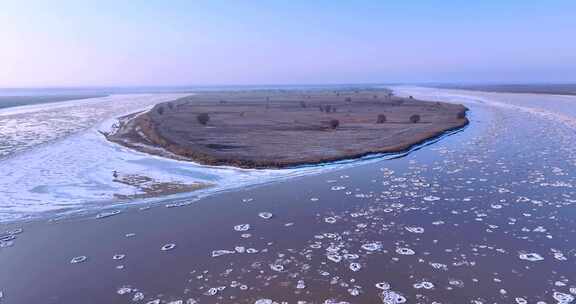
(286, 128)
(553, 89)
(16, 101)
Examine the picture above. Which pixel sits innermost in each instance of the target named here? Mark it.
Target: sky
(185, 42)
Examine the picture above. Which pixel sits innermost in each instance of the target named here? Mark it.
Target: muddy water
(483, 216)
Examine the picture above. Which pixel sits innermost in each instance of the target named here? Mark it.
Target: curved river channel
(485, 215)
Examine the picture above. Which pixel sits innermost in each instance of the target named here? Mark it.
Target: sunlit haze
(139, 43)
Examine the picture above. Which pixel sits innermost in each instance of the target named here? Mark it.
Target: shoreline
(172, 200)
(140, 131)
(401, 149)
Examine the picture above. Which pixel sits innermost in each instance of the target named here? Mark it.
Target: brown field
(275, 129)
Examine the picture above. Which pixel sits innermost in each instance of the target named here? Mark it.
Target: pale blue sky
(103, 43)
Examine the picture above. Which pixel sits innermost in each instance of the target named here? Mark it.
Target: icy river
(486, 215)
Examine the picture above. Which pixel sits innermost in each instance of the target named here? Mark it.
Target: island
(285, 128)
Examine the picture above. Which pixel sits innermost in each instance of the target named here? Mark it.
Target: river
(486, 215)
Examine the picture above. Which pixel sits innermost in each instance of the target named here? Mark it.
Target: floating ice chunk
(372, 246)
(211, 292)
(242, 227)
(405, 251)
(539, 229)
(334, 257)
(563, 298)
(314, 199)
(277, 267)
(130, 234)
(124, 290)
(155, 301)
(301, 284)
(263, 301)
(355, 266)
(431, 198)
(179, 204)
(330, 220)
(78, 259)
(337, 188)
(168, 247)
(520, 300)
(350, 256)
(415, 229)
(240, 249)
(392, 297)
(118, 256)
(532, 257)
(251, 250)
(423, 284)
(383, 285)
(15, 231)
(7, 238)
(217, 253)
(334, 301)
(107, 214)
(138, 296)
(456, 283)
(354, 291)
(6, 244)
(247, 200)
(265, 215)
(559, 256)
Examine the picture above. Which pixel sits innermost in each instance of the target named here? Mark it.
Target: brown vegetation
(243, 133)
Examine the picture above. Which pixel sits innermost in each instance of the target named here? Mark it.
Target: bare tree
(334, 123)
(203, 118)
(461, 114)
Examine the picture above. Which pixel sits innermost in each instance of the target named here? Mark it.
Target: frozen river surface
(54, 161)
(487, 215)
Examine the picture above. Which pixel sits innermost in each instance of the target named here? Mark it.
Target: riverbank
(286, 128)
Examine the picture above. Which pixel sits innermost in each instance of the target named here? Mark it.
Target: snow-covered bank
(57, 161)
(69, 166)
(25, 127)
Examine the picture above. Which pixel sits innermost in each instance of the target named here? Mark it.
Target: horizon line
(423, 83)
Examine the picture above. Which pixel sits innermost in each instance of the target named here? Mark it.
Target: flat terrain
(274, 129)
